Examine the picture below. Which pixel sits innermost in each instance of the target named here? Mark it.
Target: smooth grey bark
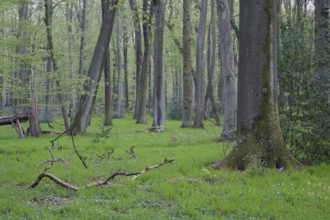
(211, 55)
(107, 91)
(120, 86)
(86, 102)
(228, 73)
(187, 76)
(200, 65)
(159, 74)
(138, 53)
(142, 98)
(49, 9)
(260, 141)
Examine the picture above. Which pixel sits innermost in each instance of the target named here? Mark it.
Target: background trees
(31, 64)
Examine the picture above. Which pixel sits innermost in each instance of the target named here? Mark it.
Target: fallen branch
(55, 179)
(54, 160)
(126, 173)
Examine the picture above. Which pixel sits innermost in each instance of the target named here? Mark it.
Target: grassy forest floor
(184, 189)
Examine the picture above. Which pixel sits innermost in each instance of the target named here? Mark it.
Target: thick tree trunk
(107, 91)
(187, 76)
(142, 99)
(228, 73)
(159, 74)
(260, 141)
(87, 100)
(200, 80)
(35, 130)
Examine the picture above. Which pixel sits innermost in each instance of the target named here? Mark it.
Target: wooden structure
(15, 121)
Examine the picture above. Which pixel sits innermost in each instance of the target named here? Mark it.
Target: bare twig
(76, 151)
(55, 179)
(54, 160)
(126, 173)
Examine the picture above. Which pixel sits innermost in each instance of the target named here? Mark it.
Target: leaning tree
(260, 140)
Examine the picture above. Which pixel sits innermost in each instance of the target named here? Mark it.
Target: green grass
(185, 189)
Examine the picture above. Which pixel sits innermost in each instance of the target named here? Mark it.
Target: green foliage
(185, 189)
(304, 105)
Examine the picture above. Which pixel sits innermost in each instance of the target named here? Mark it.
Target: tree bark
(49, 22)
(126, 92)
(142, 99)
(159, 74)
(107, 91)
(87, 100)
(138, 53)
(260, 141)
(120, 86)
(211, 54)
(187, 76)
(200, 80)
(228, 73)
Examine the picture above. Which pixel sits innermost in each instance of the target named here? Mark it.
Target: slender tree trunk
(200, 80)
(49, 22)
(260, 141)
(138, 53)
(120, 86)
(159, 75)
(211, 55)
(82, 39)
(187, 76)
(107, 91)
(142, 99)
(87, 100)
(125, 43)
(228, 73)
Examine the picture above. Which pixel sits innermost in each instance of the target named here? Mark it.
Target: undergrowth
(184, 189)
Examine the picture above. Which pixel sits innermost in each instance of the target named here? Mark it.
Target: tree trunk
(107, 91)
(125, 43)
(49, 22)
(138, 53)
(142, 99)
(200, 80)
(211, 54)
(35, 130)
(260, 141)
(82, 39)
(322, 44)
(159, 75)
(87, 100)
(228, 73)
(120, 86)
(187, 77)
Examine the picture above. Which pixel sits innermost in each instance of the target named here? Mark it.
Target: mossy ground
(185, 189)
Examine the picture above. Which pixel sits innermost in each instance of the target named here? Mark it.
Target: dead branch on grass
(131, 153)
(55, 179)
(108, 181)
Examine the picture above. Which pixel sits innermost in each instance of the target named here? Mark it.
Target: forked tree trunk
(228, 73)
(142, 98)
(87, 100)
(187, 76)
(260, 141)
(211, 52)
(200, 80)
